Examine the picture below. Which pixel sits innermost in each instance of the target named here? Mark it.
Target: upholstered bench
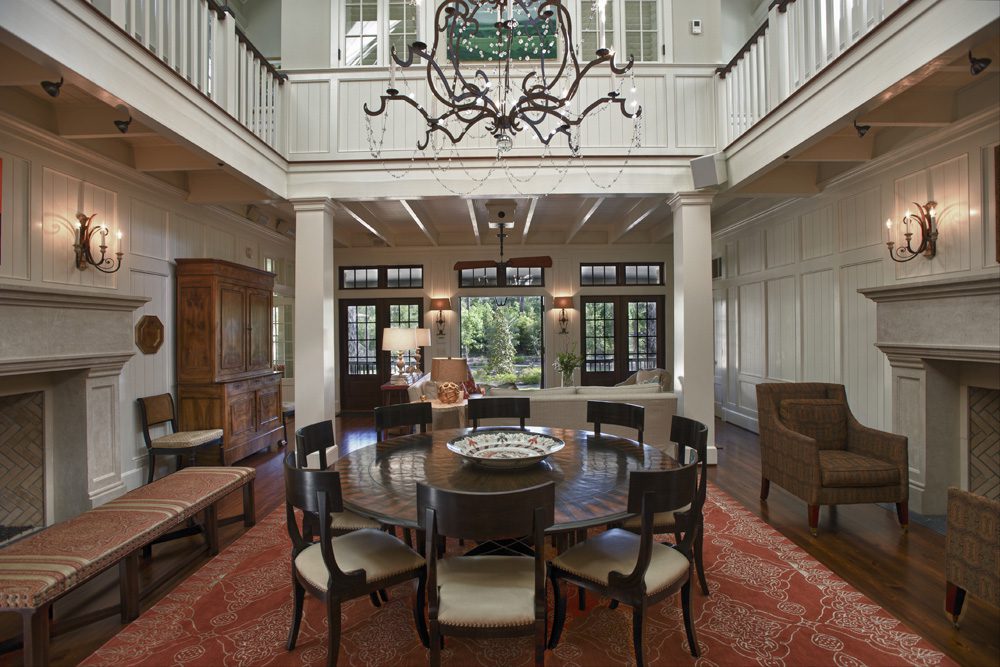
(37, 570)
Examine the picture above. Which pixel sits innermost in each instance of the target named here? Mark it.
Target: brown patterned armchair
(972, 550)
(812, 446)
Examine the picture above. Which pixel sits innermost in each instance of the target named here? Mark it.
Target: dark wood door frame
(621, 370)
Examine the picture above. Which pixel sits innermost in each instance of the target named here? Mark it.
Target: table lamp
(400, 340)
(423, 339)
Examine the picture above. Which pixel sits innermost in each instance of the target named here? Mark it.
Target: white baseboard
(742, 420)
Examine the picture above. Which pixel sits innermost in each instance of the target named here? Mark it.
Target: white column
(315, 314)
(693, 350)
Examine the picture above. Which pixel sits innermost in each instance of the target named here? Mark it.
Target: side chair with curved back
(156, 410)
(512, 407)
(628, 415)
(635, 569)
(337, 569)
(490, 595)
(402, 414)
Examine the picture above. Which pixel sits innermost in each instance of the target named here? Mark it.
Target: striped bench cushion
(42, 567)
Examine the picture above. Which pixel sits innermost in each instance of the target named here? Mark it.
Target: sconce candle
(85, 231)
(925, 219)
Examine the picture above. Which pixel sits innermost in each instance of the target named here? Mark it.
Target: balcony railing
(200, 41)
(797, 40)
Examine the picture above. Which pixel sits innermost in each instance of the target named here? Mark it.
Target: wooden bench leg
(35, 623)
(212, 529)
(249, 508)
(128, 586)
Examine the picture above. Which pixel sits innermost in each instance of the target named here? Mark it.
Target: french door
(620, 335)
(364, 367)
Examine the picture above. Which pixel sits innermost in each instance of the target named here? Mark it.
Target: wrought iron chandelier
(464, 98)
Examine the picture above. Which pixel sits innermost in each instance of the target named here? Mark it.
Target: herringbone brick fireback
(22, 460)
(984, 442)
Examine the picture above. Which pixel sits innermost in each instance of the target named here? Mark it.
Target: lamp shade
(448, 369)
(441, 304)
(423, 337)
(562, 302)
(395, 338)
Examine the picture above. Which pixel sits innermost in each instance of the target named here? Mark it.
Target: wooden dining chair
(486, 596)
(338, 569)
(628, 415)
(635, 569)
(184, 445)
(498, 408)
(689, 434)
(402, 414)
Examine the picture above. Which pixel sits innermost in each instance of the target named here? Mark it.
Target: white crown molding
(18, 295)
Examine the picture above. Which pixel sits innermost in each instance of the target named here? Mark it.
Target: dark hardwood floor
(902, 572)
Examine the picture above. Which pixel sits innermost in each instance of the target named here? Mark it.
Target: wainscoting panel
(147, 230)
(14, 230)
(782, 341)
(752, 329)
(751, 255)
(864, 367)
(187, 237)
(818, 229)
(220, 244)
(695, 112)
(310, 123)
(819, 330)
(780, 243)
(149, 374)
(861, 221)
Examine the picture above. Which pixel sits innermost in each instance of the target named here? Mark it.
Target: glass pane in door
(599, 337)
(404, 316)
(362, 347)
(642, 333)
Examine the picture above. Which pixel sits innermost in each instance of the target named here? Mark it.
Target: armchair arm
(877, 444)
(789, 455)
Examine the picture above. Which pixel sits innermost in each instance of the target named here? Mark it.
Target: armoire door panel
(242, 415)
(232, 325)
(259, 303)
(268, 407)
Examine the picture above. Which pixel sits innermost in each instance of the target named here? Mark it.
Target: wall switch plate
(695, 26)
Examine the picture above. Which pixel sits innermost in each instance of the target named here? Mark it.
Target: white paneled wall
(792, 306)
(45, 184)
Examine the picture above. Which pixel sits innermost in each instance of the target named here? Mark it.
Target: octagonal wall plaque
(149, 334)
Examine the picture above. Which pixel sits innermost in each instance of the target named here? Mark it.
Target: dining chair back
(635, 569)
(692, 435)
(628, 415)
(486, 596)
(184, 445)
(402, 414)
(496, 408)
(337, 569)
(313, 438)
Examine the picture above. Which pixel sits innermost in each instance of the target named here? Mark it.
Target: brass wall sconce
(85, 230)
(440, 305)
(563, 302)
(925, 219)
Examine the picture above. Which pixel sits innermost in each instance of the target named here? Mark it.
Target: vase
(567, 378)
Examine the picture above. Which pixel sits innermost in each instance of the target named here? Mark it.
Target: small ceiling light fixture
(85, 231)
(122, 125)
(862, 130)
(563, 302)
(52, 87)
(977, 65)
(925, 220)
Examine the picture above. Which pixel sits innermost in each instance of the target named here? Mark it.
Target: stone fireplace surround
(72, 346)
(941, 337)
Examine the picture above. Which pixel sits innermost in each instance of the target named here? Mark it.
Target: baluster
(751, 63)
(182, 38)
(269, 98)
(158, 17)
(730, 126)
(744, 96)
(147, 12)
(192, 26)
(205, 32)
(762, 76)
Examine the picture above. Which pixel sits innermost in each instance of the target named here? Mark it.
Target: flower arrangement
(566, 363)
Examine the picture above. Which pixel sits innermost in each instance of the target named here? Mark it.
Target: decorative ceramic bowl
(505, 448)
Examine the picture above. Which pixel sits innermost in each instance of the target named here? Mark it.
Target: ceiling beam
(839, 148)
(473, 220)
(219, 187)
(786, 179)
(431, 235)
(914, 108)
(169, 158)
(373, 227)
(75, 122)
(528, 219)
(642, 210)
(584, 219)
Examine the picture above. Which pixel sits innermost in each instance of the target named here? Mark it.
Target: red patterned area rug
(771, 604)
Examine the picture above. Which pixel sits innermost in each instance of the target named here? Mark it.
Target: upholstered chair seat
(617, 550)
(663, 522)
(187, 438)
(348, 520)
(486, 591)
(840, 468)
(379, 554)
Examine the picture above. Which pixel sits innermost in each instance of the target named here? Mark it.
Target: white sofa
(566, 407)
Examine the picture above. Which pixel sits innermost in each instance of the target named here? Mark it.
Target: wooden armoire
(224, 374)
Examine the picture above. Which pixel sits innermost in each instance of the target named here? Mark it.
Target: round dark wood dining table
(591, 475)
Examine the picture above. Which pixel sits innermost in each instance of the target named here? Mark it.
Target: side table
(392, 391)
(449, 415)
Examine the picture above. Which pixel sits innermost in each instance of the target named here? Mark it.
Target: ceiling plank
(431, 235)
(473, 220)
(642, 210)
(528, 219)
(583, 219)
(219, 187)
(914, 108)
(169, 158)
(96, 123)
(786, 179)
(373, 227)
(839, 148)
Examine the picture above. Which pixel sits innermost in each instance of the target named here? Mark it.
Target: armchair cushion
(841, 468)
(187, 438)
(379, 554)
(822, 419)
